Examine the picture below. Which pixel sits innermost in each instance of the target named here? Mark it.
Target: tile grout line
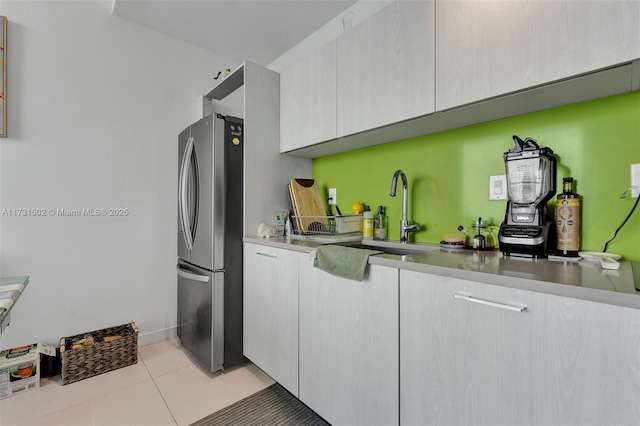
(153, 379)
(87, 401)
(71, 405)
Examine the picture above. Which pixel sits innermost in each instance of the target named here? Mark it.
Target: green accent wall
(448, 172)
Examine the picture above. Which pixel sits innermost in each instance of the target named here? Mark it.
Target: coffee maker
(527, 230)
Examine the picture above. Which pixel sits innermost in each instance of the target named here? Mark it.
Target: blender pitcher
(531, 183)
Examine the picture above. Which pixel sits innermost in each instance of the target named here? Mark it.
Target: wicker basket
(100, 357)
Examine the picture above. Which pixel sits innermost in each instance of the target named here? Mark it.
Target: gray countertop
(580, 280)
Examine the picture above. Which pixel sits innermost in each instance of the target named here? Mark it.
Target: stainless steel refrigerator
(210, 210)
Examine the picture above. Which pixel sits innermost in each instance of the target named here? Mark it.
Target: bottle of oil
(568, 220)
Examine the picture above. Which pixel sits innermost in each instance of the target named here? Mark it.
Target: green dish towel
(345, 262)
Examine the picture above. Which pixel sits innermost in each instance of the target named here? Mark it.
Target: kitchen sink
(394, 248)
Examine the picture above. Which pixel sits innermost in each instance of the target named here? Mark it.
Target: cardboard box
(20, 368)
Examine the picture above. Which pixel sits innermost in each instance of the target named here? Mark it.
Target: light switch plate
(333, 196)
(498, 187)
(635, 180)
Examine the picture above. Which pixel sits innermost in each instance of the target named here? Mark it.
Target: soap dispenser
(367, 224)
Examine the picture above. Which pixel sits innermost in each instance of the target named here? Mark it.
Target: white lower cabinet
(349, 346)
(422, 349)
(560, 361)
(270, 312)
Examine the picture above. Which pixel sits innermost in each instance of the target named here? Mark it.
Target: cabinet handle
(273, 256)
(488, 303)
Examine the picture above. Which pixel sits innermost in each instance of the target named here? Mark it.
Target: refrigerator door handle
(192, 276)
(187, 230)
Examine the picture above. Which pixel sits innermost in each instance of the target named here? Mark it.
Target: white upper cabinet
(308, 100)
(489, 48)
(420, 67)
(385, 68)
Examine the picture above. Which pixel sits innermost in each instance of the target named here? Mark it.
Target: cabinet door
(349, 346)
(559, 361)
(489, 48)
(386, 68)
(270, 312)
(308, 100)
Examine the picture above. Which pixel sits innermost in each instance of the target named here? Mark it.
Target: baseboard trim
(157, 336)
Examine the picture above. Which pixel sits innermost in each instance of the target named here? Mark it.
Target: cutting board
(307, 201)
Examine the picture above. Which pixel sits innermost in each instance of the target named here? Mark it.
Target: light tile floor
(165, 387)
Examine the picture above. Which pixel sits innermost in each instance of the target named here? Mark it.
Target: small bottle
(479, 241)
(367, 224)
(380, 225)
(568, 220)
(287, 226)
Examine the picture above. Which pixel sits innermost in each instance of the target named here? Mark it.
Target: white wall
(95, 107)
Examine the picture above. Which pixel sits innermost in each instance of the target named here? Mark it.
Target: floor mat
(272, 406)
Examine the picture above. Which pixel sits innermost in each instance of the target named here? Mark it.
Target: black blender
(527, 230)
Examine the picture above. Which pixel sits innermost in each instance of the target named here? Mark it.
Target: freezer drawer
(201, 314)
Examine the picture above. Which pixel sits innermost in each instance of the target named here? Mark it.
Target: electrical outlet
(333, 196)
(498, 187)
(635, 180)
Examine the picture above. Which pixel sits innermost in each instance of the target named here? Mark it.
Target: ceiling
(257, 30)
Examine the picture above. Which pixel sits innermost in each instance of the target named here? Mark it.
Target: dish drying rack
(327, 225)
